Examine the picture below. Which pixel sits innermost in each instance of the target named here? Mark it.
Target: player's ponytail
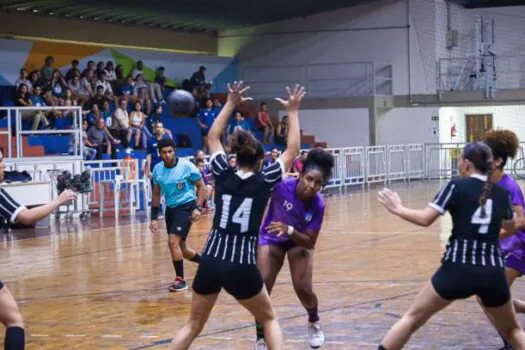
(247, 148)
(480, 155)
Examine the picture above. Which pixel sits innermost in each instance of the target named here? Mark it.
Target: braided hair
(480, 155)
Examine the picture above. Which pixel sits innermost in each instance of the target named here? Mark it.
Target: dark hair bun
(504, 143)
(319, 158)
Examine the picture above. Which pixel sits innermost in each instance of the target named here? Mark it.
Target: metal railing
(338, 79)
(16, 116)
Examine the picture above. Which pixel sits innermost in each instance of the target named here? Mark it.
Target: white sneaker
(261, 345)
(315, 335)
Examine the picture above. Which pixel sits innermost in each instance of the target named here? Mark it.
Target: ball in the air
(181, 103)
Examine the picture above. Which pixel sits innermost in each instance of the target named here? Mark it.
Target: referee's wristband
(155, 211)
(290, 230)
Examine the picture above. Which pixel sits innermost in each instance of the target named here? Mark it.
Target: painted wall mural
(15, 54)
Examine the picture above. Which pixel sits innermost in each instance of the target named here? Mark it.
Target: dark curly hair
(247, 148)
(503, 143)
(319, 159)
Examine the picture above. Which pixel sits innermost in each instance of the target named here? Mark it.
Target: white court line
(111, 336)
(76, 335)
(149, 336)
(220, 338)
(39, 335)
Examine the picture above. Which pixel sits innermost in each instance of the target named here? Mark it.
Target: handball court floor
(98, 284)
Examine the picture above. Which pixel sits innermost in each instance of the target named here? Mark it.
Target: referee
(13, 212)
(184, 192)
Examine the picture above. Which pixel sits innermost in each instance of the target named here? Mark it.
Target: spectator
(206, 176)
(22, 79)
(156, 117)
(34, 79)
(46, 73)
(57, 86)
(198, 156)
(217, 105)
(89, 68)
(73, 71)
(274, 154)
(101, 82)
(264, 123)
(157, 87)
(39, 116)
(98, 99)
(152, 153)
(69, 96)
(120, 77)
(126, 88)
(22, 98)
(99, 139)
(94, 115)
(138, 70)
(90, 151)
(238, 123)
(144, 100)
(85, 91)
(198, 78)
(282, 131)
(100, 68)
(120, 126)
(137, 121)
(297, 165)
(111, 75)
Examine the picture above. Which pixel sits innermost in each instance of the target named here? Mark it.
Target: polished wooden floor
(103, 285)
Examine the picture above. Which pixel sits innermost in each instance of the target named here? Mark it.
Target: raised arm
(293, 142)
(392, 202)
(235, 98)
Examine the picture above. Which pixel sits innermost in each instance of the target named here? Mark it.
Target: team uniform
(229, 258)
(513, 247)
(9, 210)
(286, 208)
(472, 263)
(178, 186)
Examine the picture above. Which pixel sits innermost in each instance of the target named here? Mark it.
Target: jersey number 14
(241, 215)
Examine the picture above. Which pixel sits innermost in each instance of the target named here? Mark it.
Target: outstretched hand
(294, 99)
(390, 200)
(236, 93)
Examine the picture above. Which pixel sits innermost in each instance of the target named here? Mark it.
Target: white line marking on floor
(76, 335)
(39, 335)
(149, 336)
(220, 338)
(111, 336)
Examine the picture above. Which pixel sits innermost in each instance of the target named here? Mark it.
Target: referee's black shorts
(241, 281)
(459, 281)
(178, 219)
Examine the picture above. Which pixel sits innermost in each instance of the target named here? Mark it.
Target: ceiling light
(96, 18)
(81, 17)
(35, 10)
(67, 15)
(51, 13)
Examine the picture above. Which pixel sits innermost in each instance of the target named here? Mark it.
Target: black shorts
(178, 219)
(460, 281)
(239, 280)
(1, 284)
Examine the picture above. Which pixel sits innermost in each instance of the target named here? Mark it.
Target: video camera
(80, 183)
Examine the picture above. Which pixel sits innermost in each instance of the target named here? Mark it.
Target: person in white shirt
(104, 83)
(138, 70)
(23, 80)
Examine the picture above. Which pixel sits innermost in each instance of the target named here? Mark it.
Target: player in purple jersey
(505, 145)
(291, 227)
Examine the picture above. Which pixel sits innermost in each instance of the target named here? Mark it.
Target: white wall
(504, 117)
(407, 125)
(338, 127)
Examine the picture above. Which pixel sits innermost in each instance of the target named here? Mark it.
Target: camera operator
(12, 211)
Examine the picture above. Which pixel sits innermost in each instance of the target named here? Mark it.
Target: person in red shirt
(297, 166)
(264, 123)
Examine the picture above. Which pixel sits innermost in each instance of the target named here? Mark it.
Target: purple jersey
(515, 244)
(286, 208)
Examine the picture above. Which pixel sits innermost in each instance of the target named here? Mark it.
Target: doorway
(477, 126)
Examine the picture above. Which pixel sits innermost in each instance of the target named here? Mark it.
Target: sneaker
(261, 344)
(315, 335)
(179, 285)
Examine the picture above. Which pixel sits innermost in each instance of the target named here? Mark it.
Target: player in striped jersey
(504, 145)
(291, 227)
(472, 263)
(229, 257)
(12, 211)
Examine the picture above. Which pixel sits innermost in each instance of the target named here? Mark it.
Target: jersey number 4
(241, 215)
(485, 221)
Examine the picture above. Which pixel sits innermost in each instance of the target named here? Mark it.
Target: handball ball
(181, 103)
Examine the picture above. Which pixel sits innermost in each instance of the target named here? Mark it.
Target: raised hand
(294, 99)
(390, 200)
(236, 93)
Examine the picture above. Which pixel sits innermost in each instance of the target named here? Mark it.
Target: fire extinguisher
(453, 130)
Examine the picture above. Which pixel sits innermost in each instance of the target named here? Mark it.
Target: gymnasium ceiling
(208, 16)
(180, 15)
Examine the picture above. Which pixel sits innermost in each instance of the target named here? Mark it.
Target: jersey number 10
(241, 215)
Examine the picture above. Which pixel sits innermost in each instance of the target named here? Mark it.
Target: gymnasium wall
(15, 54)
(382, 32)
(505, 117)
(351, 125)
(408, 125)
